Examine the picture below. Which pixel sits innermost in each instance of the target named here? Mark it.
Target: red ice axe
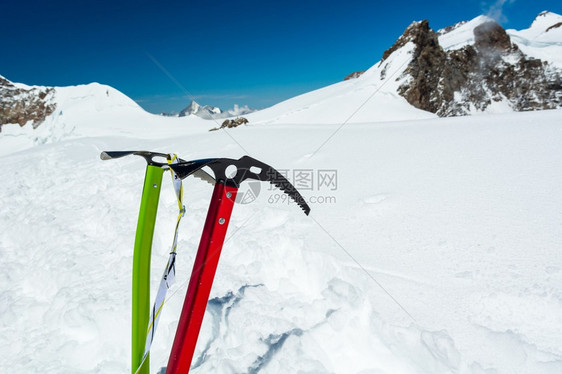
(212, 239)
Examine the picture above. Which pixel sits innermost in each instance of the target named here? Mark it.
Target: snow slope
(458, 219)
(371, 97)
(461, 34)
(95, 110)
(543, 39)
(374, 95)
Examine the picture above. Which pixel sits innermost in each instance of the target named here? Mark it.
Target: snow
(96, 110)
(462, 35)
(438, 251)
(457, 218)
(539, 43)
(535, 42)
(371, 97)
(541, 31)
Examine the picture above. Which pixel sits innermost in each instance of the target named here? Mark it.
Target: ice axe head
(156, 159)
(152, 158)
(227, 171)
(232, 173)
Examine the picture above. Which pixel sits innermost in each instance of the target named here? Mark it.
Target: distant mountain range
(471, 67)
(211, 112)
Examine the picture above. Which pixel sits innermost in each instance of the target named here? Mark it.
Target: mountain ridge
(212, 112)
(475, 66)
(470, 67)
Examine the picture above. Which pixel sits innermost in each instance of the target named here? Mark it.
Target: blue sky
(222, 52)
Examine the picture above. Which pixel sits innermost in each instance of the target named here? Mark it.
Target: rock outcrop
(230, 123)
(354, 75)
(22, 105)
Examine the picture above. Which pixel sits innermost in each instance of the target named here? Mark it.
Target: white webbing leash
(169, 275)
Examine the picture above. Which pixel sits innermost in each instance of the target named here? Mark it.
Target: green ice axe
(156, 165)
(143, 251)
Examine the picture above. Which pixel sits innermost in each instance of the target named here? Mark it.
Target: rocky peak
(418, 33)
(448, 29)
(547, 15)
(428, 62)
(489, 70)
(19, 104)
(354, 75)
(206, 111)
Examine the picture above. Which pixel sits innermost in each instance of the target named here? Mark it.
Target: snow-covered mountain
(37, 114)
(212, 112)
(78, 111)
(467, 68)
(477, 66)
(206, 111)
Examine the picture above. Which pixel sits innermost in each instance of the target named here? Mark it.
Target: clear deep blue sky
(223, 52)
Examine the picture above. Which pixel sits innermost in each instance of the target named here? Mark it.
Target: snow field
(456, 218)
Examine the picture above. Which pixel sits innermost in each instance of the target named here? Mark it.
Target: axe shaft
(202, 276)
(141, 265)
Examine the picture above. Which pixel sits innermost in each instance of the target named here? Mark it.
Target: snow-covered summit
(477, 66)
(206, 111)
(547, 27)
(460, 34)
(94, 97)
(20, 102)
(543, 39)
(31, 115)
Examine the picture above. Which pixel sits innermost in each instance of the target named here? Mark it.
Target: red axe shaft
(202, 276)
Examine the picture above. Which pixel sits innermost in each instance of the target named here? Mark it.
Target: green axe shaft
(141, 265)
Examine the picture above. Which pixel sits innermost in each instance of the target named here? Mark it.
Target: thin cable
(185, 91)
(357, 110)
(212, 254)
(365, 270)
